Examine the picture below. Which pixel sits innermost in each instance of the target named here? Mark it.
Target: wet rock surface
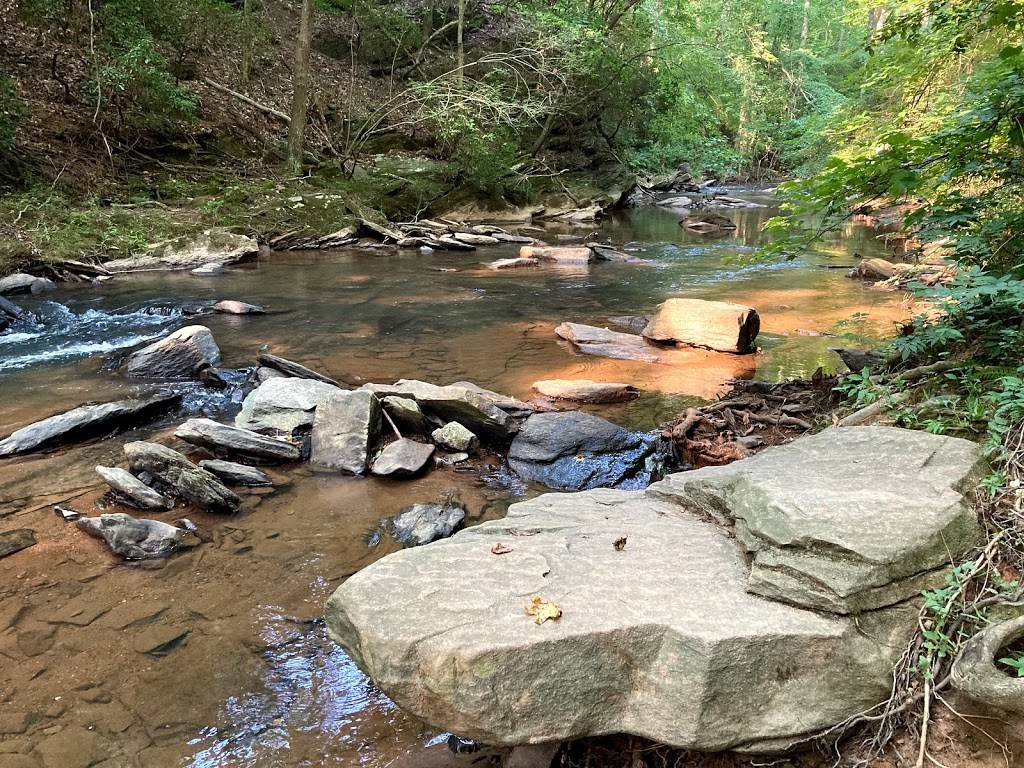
(181, 355)
(606, 343)
(423, 523)
(231, 473)
(576, 451)
(86, 421)
(134, 538)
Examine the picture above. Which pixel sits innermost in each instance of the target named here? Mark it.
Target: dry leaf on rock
(500, 549)
(542, 610)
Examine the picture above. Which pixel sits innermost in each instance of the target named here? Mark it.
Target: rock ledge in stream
(670, 636)
(182, 476)
(214, 246)
(86, 421)
(223, 438)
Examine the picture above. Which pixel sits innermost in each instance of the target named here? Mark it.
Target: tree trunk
(806, 28)
(248, 43)
(300, 87)
(462, 46)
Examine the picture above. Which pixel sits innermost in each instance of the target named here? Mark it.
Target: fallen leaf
(619, 543)
(542, 610)
(500, 549)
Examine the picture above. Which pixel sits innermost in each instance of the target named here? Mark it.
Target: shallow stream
(248, 677)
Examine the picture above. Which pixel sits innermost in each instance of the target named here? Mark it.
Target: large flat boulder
(586, 391)
(572, 450)
(727, 608)
(344, 429)
(214, 246)
(86, 421)
(602, 342)
(402, 458)
(286, 404)
(718, 325)
(471, 408)
(847, 520)
(180, 355)
(176, 473)
(235, 441)
(658, 639)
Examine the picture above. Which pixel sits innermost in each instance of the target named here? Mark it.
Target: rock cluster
(743, 607)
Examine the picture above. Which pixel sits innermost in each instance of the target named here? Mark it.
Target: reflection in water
(257, 681)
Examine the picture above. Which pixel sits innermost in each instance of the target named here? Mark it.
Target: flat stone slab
(711, 611)
(224, 438)
(846, 520)
(86, 421)
(602, 342)
(472, 408)
(586, 391)
(658, 638)
(283, 404)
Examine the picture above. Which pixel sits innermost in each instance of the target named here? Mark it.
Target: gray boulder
(423, 523)
(232, 307)
(133, 538)
(86, 421)
(22, 283)
(343, 430)
(182, 476)
(586, 391)
(16, 540)
(223, 438)
(455, 437)
(474, 410)
(659, 638)
(181, 355)
(575, 451)
(133, 490)
(283, 404)
(847, 520)
(231, 473)
(402, 458)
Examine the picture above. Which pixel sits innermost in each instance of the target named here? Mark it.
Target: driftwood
(246, 100)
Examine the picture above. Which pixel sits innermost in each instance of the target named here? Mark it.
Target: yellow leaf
(542, 610)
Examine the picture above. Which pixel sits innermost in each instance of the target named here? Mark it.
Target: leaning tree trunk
(300, 87)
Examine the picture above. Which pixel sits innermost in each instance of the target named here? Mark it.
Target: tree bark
(806, 28)
(300, 87)
(462, 46)
(248, 44)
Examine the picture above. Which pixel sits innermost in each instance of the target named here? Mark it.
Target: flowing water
(242, 673)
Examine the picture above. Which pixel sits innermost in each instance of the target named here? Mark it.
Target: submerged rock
(182, 476)
(133, 490)
(667, 628)
(513, 263)
(283, 404)
(586, 391)
(402, 458)
(210, 268)
(230, 307)
(718, 325)
(576, 451)
(343, 429)
(423, 523)
(605, 343)
(86, 421)
(455, 437)
(293, 369)
(16, 540)
(133, 538)
(214, 246)
(707, 223)
(231, 473)
(181, 355)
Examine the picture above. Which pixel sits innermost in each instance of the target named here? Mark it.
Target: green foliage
(1016, 663)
